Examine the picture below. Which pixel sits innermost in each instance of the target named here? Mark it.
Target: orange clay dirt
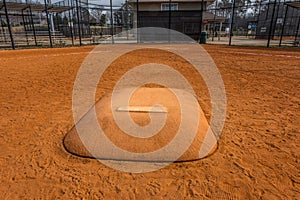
(257, 157)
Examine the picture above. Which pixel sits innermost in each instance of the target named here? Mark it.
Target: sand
(257, 156)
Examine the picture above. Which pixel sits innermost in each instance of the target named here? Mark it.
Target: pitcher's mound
(145, 124)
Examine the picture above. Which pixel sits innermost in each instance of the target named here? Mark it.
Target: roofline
(294, 4)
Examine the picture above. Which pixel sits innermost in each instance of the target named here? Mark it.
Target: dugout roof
(295, 4)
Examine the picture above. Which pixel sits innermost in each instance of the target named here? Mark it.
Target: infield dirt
(257, 158)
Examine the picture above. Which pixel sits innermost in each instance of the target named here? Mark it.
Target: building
(185, 15)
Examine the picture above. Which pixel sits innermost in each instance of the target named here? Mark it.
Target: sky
(106, 2)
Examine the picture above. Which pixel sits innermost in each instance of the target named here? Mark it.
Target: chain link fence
(28, 23)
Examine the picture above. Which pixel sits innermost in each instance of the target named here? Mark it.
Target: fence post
(8, 26)
(137, 21)
(271, 24)
(24, 26)
(111, 23)
(70, 21)
(214, 24)
(88, 20)
(2, 29)
(169, 26)
(297, 31)
(282, 28)
(48, 24)
(201, 19)
(231, 24)
(32, 24)
(78, 22)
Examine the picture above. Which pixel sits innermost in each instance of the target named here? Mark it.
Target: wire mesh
(28, 23)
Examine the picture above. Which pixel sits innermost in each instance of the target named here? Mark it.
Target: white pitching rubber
(145, 109)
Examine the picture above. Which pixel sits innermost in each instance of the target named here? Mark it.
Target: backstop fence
(29, 23)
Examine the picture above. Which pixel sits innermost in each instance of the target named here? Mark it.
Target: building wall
(187, 22)
(153, 6)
